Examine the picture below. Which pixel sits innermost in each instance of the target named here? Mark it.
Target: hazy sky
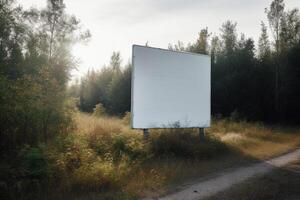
(117, 24)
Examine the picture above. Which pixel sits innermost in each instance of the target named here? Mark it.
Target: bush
(77, 165)
(35, 162)
(185, 143)
(94, 176)
(127, 118)
(99, 110)
(103, 154)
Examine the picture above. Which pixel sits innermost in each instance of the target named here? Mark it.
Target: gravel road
(223, 181)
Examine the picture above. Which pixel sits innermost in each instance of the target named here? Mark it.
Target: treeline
(248, 81)
(110, 87)
(35, 63)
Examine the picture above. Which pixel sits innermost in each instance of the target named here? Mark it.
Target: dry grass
(89, 124)
(163, 176)
(255, 139)
(104, 154)
(151, 173)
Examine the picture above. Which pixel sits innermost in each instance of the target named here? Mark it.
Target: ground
(223, 180)
(246, 143)
(282, 184)
(101, 158)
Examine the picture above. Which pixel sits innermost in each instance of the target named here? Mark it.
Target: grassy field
(173, 156)
(102, 158)
(255, 139)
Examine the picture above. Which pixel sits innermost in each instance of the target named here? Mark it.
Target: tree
(289, 73)
(89, 91)
(292, 83)
(275, 14)
(290, 30)
(215, 49)
(201, 45)
(35, 61)
(228, 36)
(264, 78)
(264, 50)
(12, 30)
(177, 47)
(111, 86)
(99, 110)
(115, 61)
(119, 92)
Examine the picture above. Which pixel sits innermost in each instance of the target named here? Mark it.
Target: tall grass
(104, 153)
(256, 139)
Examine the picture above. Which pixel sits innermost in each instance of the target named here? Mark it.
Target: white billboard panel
(169, 89)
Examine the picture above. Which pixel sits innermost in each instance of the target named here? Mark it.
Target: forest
(252, 82)
(43, 115)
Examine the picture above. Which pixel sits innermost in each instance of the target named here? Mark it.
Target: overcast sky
(117, 24)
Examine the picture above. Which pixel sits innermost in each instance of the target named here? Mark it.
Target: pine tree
(264, 50)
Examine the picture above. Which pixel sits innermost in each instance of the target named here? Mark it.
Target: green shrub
(119, 147)
(35, 163)
(131, 147)
(76, 165)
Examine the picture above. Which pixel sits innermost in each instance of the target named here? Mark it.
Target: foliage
(264, 43)
(111, 86)
(103, 152)
(34, 162)
(103, 155)
(185, 143)
(99, 110)
(35, 62)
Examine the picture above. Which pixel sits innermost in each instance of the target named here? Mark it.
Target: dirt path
(223, 181)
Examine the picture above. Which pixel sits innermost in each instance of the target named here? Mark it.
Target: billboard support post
(202, 134)
(146, 134)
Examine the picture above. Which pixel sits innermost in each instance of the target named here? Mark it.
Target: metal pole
(202, 134)
(146, 134)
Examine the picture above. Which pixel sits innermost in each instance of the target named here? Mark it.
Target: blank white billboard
(169, 89)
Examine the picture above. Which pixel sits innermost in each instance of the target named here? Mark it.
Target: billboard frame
(201, 129)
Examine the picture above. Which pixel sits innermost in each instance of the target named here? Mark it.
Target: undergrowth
(103, 155)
